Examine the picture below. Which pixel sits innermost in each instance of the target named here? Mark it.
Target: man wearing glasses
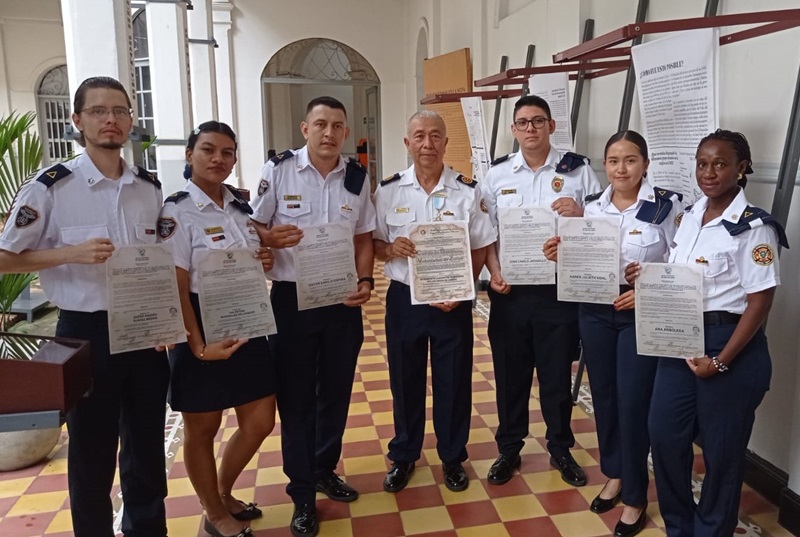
(528, 326)
(65, 224)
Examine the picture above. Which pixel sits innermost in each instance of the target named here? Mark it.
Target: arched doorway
(313, 67)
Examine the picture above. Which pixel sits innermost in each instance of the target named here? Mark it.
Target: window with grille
(54, 115)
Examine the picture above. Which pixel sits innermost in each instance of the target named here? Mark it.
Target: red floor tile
(473, 514)
(386, 525)
(562, 501)
(419, 497)
(532, 527)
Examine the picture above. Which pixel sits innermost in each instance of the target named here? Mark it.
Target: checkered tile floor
(34, 501)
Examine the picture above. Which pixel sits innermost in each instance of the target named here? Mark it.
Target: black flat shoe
(250, 512)
(455, 477)
(602, 505)
(334, 488)
(397, 478)
(629, 530)
(214, 532)
(571, 471)
(503, 468)
(304, 521)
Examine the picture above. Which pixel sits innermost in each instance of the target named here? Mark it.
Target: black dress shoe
(628, 530)
(602, 505)
(214, 532)
(571, 472)
(332, 486)
(455, 477)
(397, 478)
(304, 521)
(503, 468)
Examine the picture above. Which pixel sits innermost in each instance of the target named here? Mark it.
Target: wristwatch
(368, 279)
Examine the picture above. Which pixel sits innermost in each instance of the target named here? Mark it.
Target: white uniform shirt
(640, 241)
(513, 184)
(733, 265)
(294, 192)
(197, 224)
(81, 206)
(403, 202)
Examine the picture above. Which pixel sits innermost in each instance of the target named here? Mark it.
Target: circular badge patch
(763, 255)
(557, 183)
(166, 227)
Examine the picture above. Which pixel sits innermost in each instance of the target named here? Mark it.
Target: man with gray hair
(425, 192)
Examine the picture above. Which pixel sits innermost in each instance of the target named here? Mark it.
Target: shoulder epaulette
(51, 175)
(469, 181)
(280, 157)
(176, 197)
(239, 200)
(392, 179)
(754, 217)
(150, 177)
(500, 160)
(593, 197)
(354, 175)
(571, 161)
(657, 210)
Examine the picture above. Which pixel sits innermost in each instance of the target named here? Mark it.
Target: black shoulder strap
(593, 197)
(280, 157)
(754, 217)
(389, 180)
(571, 161)
(176, 197)
(239, 200)
(500, 160)
(53, 174)
(469, 181)
(150, 177)
(657, 210)
(354, 175)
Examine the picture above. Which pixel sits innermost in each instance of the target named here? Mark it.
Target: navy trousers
(530, 328)
(125, 409)
(316, 352)
(721, 409)
(622, 383)
(409, 331)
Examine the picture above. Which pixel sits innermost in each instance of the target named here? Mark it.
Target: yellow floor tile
(275, 516)
(358, 434)
(479, 436)
(42, 502)
(587, 440)
(379, 395)
(365, 465)
(271, 476)
(532, 447)
(371, 376)
(546, 481)
(383, 418)
(186, 525)
(518, 507)
(62, 522)
(271, 443)
(336, 528)
(585, 524)
(475, 492)
(357, 409)
(483, 397)
(55, 466)
(14, 487)
(426, 520)
(495, 530)
(375, 503)
(422, 477)
(180, 487)
(370, 345)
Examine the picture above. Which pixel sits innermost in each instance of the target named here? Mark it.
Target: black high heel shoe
(601, 505)
(629, 530)
(214, 532)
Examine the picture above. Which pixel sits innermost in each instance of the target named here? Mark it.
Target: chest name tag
(292, 197)
(507, 191)
(213, 230)
(634, 232)
(401, 210)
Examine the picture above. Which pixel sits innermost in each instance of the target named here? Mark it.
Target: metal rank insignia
(557, 183)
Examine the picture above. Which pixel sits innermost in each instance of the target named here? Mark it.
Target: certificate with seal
(144, 308)
(669, 310)
(325, 265)
(234, 301)
(523, 232)
(588, 259)
(442, 269)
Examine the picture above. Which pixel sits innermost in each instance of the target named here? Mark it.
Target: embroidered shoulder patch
(763, 255)
(26, 216)
(166, 227)
(484, 207)
(263, 187)
(679, 219)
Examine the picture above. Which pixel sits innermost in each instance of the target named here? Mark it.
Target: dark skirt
(205, 386)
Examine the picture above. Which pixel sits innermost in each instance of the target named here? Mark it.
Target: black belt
(720, 317)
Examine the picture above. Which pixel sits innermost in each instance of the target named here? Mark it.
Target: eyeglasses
(538, 122)
(101, 112)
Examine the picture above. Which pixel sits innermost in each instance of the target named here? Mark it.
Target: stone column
(203, 71)
(226, 89)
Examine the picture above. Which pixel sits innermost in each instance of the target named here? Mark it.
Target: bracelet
(369, 279)
(719, 365)
(203, 352)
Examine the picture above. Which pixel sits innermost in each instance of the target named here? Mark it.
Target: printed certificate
(442, 269)
(669, 310)
(325, 265)
(144, 308)
(234, 301)
(523, 232)
(588, 259)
